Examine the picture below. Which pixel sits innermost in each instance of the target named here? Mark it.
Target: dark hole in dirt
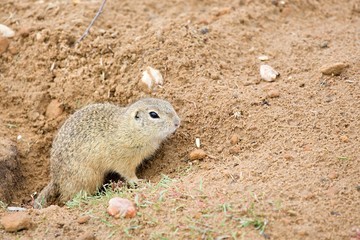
(112, 177)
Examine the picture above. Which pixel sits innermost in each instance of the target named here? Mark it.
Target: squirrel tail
(47, 196)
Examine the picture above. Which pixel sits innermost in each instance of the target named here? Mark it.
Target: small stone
(222, 11)
(87, 236)
(334, 213)
(83, 219)
(333, 69)
(275, 2)
(307, 195)
(302, 232)
(356, 10)
(39, 37)
(5, 31)
(33, 115)
(60, 224)
(237, 114)
(4, 44)
(151, 79)
(288, 157)
(273, 93)
(333, 175)
(324, 44)
(54, 109)
(344, 138)
(197, 142)
(214, 76)
(197, 154)
(16, 209)
(197, 215)
(263, 58)
(16, 221)
(220, 149)
(267, 73)
(252, 49)
(204, 30)
(235, 150)
(203, 21)
(234, 139)
(292, 213)
(121, 207)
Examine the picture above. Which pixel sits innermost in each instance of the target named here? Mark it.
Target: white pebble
(152, 77)
(19, 137)
(52, 66)
(263, 58)
(38, 36)
(197, 142)
(268, 73)
(237, 115)
(5, 31)
(16, 209)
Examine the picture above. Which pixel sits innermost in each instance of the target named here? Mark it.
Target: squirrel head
(154, 117)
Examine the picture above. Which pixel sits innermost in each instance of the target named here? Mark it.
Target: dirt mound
(291, 145)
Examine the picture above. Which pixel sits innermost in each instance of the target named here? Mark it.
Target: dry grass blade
(92, 21)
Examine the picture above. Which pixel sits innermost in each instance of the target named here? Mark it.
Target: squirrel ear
(136, 115)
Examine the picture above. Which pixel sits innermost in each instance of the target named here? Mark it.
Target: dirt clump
(14, 222)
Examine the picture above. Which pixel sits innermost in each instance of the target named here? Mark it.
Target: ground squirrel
(102, 138)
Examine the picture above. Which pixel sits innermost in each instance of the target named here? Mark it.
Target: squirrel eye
(153, 115)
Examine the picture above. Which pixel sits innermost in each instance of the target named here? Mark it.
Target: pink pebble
(121, 207)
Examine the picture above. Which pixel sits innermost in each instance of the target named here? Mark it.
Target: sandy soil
(291, 146)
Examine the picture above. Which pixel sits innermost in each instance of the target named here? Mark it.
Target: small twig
(349, 81)
(92, 21)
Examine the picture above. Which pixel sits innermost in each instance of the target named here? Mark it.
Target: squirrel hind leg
(47, 196)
